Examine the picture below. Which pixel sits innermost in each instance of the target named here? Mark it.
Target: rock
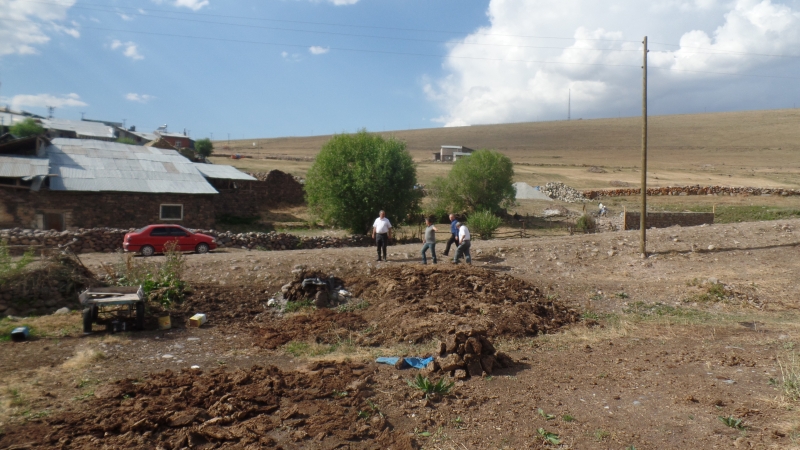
(451, 362)
(488, 362)
(63, 310)
(474, 346)
(460, 374)
(711, 247)
(451, 344)
(401, 364)
(486, 346)
(321, 299)
(442, 349)
(285, 288)
(473, 364)
(430, 369)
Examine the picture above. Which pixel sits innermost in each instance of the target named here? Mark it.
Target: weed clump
(10, 269)
(428, 387)
(162, 282)
(585, 223)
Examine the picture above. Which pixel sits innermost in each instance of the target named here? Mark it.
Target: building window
(178, 143)
(171, 212)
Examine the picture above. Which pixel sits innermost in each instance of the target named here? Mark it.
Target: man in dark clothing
(453, 234)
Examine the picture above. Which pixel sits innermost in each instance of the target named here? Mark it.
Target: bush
(27, 127)
(357, 175)
(484, 224)
(10, 269)
(204, 147)
(481, 181)
(161, 282)
(585, 223)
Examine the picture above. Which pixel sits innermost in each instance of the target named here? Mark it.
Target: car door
(159, 237)
(183, 239)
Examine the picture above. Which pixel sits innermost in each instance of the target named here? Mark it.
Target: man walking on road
(382, 232)
(430, 240)
(454, 234)
(463, 244)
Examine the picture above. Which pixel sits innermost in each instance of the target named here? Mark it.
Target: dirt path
(704, 328)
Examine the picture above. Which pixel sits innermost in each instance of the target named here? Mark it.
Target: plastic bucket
(164, 323)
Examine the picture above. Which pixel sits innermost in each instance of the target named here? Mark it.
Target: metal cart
(118, 308)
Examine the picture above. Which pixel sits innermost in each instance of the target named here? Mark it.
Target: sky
(271, 68)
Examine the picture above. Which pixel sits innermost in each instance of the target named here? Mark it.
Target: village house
(81, 183)
(451, 153)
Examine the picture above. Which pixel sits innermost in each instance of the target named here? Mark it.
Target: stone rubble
(564, 193)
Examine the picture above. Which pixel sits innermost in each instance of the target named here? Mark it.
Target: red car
(153, 238)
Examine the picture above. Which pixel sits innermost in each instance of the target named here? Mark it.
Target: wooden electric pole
(643, 215)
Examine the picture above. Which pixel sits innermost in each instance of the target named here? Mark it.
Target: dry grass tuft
(84, 358)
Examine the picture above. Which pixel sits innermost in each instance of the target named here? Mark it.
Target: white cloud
(194, 5)
(44, 100)
(317, 50)
(25, 25)
(139, 98)
(129, 49)
(125, 17)
(292, 57)
(343, 2)
(503, 80)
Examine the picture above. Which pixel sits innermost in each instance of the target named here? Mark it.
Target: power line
(324, 23)
(726, 52)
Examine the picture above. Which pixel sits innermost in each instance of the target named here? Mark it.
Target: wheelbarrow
(118, 308)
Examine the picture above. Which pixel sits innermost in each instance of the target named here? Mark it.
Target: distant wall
(249, 198)
(690, 190)
(631, 220)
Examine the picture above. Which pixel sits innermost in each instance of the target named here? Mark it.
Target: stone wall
(691, 190)
(19, 208)
(249, 198)
(631, 220)
(110, 240)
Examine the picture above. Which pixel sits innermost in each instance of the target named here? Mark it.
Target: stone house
(74, 183)
(451, 153)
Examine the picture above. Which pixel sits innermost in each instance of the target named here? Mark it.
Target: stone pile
(564, 193)
(110, 240)
(467, 353)
(692, 190)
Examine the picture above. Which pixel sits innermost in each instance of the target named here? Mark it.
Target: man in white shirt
(464, 241)
(382, 232)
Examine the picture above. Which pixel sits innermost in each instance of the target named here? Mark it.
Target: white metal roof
(91, 165)
(81, 127)
(222, 172)
(22, 166)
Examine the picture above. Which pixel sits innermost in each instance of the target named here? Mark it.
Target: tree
(204, 147)
(357, 175)
(27, 127)
(480, 181)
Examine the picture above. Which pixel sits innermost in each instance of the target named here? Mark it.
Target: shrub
(356, 175)
(481, 181)
(425, 385)
(585, 223)
(484, 223)
(161, 282)
(27, 127)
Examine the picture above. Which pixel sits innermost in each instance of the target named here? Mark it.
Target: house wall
(26, 209)
(185, 141)
(249, 198)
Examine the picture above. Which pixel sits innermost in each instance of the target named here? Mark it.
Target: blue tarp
(413, 361)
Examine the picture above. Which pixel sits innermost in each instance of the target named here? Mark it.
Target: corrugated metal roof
(145, 136)
(222, 172)
(22, 166)
(90, 165)
(81, 127)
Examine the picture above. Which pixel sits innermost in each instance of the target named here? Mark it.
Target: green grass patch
(298, 306)
(352, 306)
(657, 310)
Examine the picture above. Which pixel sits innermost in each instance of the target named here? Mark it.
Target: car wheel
(202, 248)
(148, 250)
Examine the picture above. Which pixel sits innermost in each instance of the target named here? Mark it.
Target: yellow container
(197, 320)
(164, 323)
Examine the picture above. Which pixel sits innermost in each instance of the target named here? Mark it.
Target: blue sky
(271, 68)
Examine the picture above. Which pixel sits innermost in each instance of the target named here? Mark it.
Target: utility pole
(50, 110)
(643, 215)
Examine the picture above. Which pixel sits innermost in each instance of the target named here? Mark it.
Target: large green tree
(27, 127)
(356, 175)
(480, 181)
(204, 147)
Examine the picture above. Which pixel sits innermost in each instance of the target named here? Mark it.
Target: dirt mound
(323, 406)
(415, 304)
(325, 326)
(223, 304)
